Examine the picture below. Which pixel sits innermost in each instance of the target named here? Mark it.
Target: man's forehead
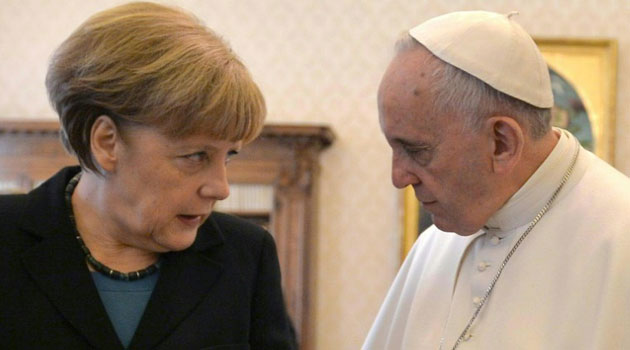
(408, 75)
(407, 122)
(407, 113)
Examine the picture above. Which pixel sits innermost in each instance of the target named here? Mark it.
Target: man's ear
(104, 143)
(508, 140)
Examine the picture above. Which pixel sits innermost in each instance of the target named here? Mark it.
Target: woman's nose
(216, 184)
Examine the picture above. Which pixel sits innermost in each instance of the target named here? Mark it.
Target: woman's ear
(104, 143)
(508, 141)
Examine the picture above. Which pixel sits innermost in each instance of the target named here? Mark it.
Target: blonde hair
(152, 65)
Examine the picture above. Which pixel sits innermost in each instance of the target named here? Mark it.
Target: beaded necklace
(97, 265)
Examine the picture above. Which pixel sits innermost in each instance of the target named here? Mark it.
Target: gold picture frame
(590, 67)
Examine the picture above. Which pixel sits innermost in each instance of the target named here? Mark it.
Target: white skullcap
(493, 48)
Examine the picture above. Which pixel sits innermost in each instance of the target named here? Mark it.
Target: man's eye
(419, 154)
(415, 150)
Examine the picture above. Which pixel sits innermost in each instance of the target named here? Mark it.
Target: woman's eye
(197, 157)
(230, 155)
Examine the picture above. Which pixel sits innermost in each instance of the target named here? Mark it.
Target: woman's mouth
(190, 220)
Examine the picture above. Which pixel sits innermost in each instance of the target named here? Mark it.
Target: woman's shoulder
(248, 243)
(13, 239)
(229, 221)
(11, 208)
(238, 230)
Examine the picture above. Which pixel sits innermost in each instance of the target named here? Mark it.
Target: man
(531, 242)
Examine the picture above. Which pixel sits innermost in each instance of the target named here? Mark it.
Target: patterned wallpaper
(320, 61)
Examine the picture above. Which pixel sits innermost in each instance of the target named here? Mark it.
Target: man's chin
(459, 229)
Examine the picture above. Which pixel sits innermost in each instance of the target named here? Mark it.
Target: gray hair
(462, 94)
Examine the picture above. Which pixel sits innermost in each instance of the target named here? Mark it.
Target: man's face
(448, 165)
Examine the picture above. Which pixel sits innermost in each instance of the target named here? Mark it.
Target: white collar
(525, 204)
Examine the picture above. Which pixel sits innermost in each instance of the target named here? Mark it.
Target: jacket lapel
(185, 280)
(57, 264)
(58, 267)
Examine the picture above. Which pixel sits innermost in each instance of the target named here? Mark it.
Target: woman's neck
(103, 237)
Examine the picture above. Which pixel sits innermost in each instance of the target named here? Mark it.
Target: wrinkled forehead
(409, 95)
(411, 72)
(406, 84)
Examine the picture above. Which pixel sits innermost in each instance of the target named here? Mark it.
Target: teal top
(125, 302)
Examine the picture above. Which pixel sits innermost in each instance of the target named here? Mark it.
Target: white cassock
(567, 286)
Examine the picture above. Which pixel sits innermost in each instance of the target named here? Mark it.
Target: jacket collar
(57, 265)
(526, 203)
(47, 202)
(186, 278)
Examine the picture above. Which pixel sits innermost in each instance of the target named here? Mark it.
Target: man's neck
(535, 153)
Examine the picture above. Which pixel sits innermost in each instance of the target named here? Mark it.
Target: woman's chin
(173, 242)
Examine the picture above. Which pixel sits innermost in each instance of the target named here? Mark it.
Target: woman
(123, 251)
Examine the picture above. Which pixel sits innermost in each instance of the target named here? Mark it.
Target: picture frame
(589, 67)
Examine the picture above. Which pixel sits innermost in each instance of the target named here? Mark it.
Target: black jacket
(221, 293)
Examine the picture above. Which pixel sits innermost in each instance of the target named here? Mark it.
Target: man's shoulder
(597, 206)
(603, 180)
(600, 166)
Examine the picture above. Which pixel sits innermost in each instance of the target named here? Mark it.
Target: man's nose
(402, 176)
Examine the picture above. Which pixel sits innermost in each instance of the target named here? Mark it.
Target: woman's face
(163, 189)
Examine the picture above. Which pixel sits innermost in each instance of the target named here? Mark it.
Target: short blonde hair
(153, 65)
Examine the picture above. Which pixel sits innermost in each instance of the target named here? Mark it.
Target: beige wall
(320, 61)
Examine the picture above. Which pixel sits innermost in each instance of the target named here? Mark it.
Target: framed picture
(583, 78)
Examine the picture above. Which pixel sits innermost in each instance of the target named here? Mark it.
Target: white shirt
(566, 287)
